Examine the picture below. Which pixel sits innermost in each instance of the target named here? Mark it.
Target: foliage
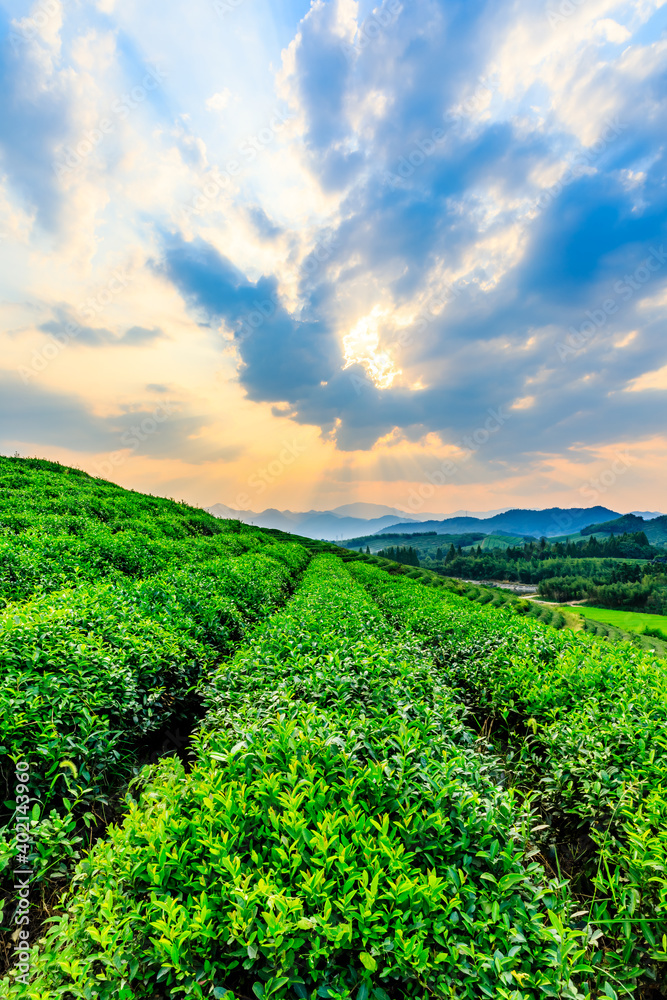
(405, 554)
(582, 724)
(115, 604)
(391, 780)
(340, 836)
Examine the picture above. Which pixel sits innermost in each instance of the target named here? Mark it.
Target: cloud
(139, 336)
(219, 101)
(37, 113)
(32, 413)
(267, 229)
(450, 196)
(282, 356)
(69, 330)
(478, 182)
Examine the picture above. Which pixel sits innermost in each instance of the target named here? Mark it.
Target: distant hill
(655, 527)
(354, 520)
(342, 522)
(551, 522)
(328, 524)
(367, 511)
(346, 521)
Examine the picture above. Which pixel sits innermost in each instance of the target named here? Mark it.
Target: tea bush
(348, 829)
(113, 606)
(584, 726)
(340, 836)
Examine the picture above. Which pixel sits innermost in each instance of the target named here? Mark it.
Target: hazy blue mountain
(554, 521)
(312, 523)
(356, 519)
(370, 510)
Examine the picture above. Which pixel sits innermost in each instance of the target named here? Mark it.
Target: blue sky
(420, 245)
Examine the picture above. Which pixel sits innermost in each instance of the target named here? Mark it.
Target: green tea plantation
(236, 766)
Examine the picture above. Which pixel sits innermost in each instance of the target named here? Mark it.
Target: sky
(298, 255)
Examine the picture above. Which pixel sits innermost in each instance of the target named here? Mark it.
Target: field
(629, 621)
(381, 789)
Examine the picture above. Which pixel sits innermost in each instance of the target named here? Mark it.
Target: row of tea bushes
(583, 724)
(339, 836)
(91, 672)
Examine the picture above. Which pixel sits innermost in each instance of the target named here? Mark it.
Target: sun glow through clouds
(361, 346)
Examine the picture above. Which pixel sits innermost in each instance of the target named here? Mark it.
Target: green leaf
(368, 961)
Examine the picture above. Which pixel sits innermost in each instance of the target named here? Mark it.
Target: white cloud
(218, 102)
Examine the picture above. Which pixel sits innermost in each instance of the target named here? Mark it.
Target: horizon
(311, 254)
(436, 514)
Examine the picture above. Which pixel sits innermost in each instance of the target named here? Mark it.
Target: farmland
(624, 571)
(390, 791)
(630, 621)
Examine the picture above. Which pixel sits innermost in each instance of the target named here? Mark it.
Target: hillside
(655, 528)
(365, 785)
(112, 606)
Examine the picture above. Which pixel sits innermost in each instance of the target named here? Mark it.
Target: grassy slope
(630, 621)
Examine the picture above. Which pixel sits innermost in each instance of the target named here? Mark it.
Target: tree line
(407, 555)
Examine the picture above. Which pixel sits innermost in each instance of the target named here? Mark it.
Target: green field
(629, 621)
(381, 790)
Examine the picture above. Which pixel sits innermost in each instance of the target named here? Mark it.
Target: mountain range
(355, 519)
(333, 525)
(551, 522)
